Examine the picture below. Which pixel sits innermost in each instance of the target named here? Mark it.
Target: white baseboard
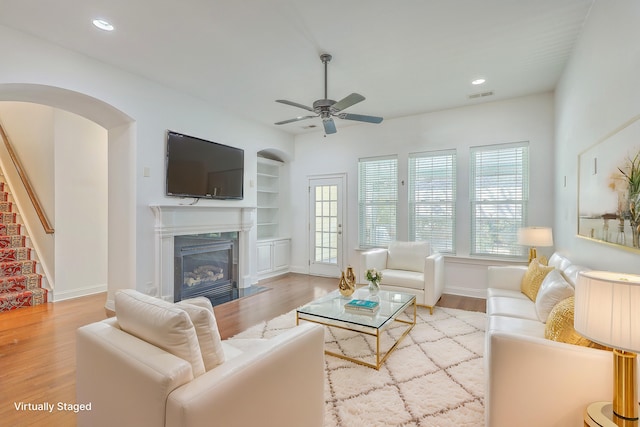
(299, 269)
(271, 274)
(76, 293)
(466, 292)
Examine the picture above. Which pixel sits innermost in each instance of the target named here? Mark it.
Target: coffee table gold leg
(378, 349)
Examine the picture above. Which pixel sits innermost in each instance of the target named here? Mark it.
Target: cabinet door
(281, 251)
(265, 257)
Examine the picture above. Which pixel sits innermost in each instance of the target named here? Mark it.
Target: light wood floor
(37, 344)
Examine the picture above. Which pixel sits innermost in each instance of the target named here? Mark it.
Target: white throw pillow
(554, 288)
(201, 313)
(160, 323)
(571, 273)
(407, 256)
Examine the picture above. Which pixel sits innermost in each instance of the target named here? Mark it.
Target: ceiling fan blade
(294, 104)
(347, 102)
(360, 118)
(329, 126)
(297, 119)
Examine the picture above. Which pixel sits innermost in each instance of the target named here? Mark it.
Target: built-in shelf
(268, 221)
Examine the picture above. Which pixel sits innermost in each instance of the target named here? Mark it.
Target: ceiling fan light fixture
(103, 24)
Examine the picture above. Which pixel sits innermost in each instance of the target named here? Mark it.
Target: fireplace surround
(194, 224)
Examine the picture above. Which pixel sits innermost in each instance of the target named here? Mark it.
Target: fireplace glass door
(205, 267)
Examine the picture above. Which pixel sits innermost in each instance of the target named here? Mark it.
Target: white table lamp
(535, 237)
(607, 311)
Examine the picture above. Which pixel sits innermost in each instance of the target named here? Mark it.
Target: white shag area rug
(434, 378)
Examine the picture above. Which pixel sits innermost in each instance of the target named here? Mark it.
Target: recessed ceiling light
(478, 81)
(102, 24)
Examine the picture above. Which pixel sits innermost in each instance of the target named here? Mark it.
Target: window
(432, 199)
(499, 196)
(377, 200)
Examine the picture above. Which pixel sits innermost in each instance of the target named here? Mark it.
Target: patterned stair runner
(20, 285)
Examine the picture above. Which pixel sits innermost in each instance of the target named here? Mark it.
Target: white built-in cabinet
(273, 256)
(273, 250)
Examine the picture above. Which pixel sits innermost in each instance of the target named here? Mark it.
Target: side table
(600, 414)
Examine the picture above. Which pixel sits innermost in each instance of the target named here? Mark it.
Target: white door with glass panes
(326, 229)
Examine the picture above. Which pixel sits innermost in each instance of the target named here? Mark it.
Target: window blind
(432, 199)
(377, 200)
(499, 194)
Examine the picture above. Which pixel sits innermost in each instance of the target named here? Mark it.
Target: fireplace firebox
(206, 265)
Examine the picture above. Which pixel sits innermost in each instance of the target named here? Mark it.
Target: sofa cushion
(533, 278)
(203, 318)
(560, 328)
(510, 293)
(554, 288)
(160, 323)
(407, 256)
(558, 261)
(528, 327)
(407, 279)
(571, 273)
(512, 307)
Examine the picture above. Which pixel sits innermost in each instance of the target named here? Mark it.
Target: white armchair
(409, 267)
(130, 381)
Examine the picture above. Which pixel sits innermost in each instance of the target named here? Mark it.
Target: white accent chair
(129, 381)
(409, 267)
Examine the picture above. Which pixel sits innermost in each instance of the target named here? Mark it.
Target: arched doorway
(121, 194)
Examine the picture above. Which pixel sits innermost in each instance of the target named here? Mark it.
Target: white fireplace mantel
(181, 220)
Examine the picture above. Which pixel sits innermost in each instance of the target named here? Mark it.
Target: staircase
(20, 284)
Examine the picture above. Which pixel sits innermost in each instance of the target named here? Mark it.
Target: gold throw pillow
(533, 278)
(560, 328)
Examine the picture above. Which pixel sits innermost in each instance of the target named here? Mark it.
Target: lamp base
(600, 414)
(533, 254)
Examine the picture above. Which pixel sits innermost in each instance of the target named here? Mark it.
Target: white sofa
(130, 382)
(409, 267)
(530, 380)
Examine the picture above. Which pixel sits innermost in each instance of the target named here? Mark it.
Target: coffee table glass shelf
(329, 311)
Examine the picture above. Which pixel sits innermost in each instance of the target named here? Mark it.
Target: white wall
(139, 113)
(599, 92)
(522, 119)
(81, 206)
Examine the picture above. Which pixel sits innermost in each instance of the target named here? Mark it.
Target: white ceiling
(406, 56)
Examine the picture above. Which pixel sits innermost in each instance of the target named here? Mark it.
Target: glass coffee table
(329, 311)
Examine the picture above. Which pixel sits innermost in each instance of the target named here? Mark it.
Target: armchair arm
(505, 277)
(126, 379)
(282, 382)
(536, 382)
(433, 278)
(374, 258)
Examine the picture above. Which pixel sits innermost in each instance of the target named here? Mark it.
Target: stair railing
(27, 184)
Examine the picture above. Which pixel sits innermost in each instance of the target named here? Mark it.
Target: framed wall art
(609, 188)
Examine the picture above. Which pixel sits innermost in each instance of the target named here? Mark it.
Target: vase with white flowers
(374, 277)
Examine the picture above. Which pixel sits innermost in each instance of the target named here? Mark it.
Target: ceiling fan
(328, 108)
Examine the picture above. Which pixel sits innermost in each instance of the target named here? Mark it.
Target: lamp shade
(607, 309)
(535, 236)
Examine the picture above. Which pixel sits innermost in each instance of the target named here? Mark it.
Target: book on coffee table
(362, 306)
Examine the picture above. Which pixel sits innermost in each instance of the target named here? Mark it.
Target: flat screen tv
(203, 169)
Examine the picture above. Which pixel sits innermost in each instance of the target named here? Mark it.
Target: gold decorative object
(350, 276)
(346, 288)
